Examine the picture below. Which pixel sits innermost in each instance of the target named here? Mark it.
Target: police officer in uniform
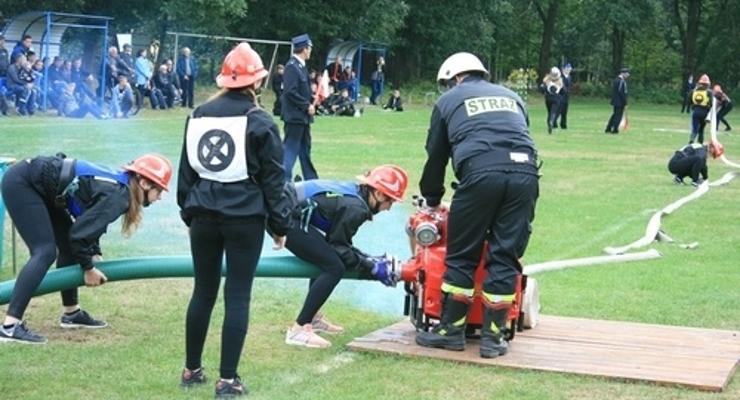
(230, 184)
(297, 110)
(484, 129)
(328, 214)
(61, 207)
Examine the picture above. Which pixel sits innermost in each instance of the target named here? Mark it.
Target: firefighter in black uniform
(298, 109)
(691, 161)
(484, 129)
(328, 214)
(619, 101)
(61, 207)
(230, 184)
(701, 102)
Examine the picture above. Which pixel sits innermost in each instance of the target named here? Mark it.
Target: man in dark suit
(187, 71)
(297, 110)
(619, 101)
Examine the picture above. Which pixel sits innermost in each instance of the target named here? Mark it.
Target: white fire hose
(531, 302)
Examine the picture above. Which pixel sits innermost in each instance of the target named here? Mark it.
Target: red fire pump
(422, 275)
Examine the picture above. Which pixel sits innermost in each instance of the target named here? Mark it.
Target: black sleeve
(109, 202)
(438, 154)
(272, 180)
(186, 177)
(347, 220)
(292, 89)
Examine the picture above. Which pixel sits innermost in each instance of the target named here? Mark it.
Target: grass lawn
(597, 190)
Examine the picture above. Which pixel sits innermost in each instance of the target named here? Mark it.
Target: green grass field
(597, 190)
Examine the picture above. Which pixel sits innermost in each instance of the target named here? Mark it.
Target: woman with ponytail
(61, 207)
(230, 186)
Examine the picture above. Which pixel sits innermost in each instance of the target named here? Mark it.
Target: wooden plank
(622, 350)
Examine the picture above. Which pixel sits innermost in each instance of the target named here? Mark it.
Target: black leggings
(241, 239)
(313, 248)
(43, 228)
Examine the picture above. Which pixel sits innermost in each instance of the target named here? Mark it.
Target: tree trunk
(618, 38)
(548, 31)
(688, 33)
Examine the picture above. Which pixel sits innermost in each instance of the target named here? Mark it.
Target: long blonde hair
(132, 217)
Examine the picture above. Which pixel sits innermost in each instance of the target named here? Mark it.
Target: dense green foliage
(662, 40)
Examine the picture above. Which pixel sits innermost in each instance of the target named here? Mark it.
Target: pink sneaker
(321, 324)
(304, 336)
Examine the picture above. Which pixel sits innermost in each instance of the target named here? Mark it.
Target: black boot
(492, 343)
(450, 333)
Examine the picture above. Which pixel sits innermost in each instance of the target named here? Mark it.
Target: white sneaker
(321, 324)
(304, 336)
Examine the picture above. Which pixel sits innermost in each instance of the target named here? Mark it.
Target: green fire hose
(162, 267)
(5, 163)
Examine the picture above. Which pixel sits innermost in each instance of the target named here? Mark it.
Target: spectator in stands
(144, 78)
(277, 88)
(116, 65)
(344, 79)
(31, 57)
(335, 71)
(122, 98)
(4, 64)
(394, 102)
(81, 77)
(175, 80)
(21, 48)
(164, 85)
(71, 106)
(37, 69)
(20, 83)
(353, 86)
(342, 105)
(67, 71)
(378, 79)
(57, 84)
(187, 72)
(127, 59)
(4, 60)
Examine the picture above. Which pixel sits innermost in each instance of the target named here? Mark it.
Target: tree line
(662, 41)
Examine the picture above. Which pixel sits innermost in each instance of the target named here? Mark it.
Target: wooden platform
(703, 359)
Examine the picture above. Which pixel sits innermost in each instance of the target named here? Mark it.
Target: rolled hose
(162, 267)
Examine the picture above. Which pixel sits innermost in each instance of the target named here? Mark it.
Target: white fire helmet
(459, 63)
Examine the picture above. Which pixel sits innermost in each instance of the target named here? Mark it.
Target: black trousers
(692, 167)
(241, 240)
(553, 110)
(188, 88)
(613, 124)
(44, 228)
(297, 144)
(721, 115)
(312, 247)
(564, 113)
(497, 207)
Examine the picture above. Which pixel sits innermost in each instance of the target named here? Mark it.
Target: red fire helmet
(153, 167)
(390, 180)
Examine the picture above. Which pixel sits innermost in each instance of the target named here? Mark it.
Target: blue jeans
(377, 91)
